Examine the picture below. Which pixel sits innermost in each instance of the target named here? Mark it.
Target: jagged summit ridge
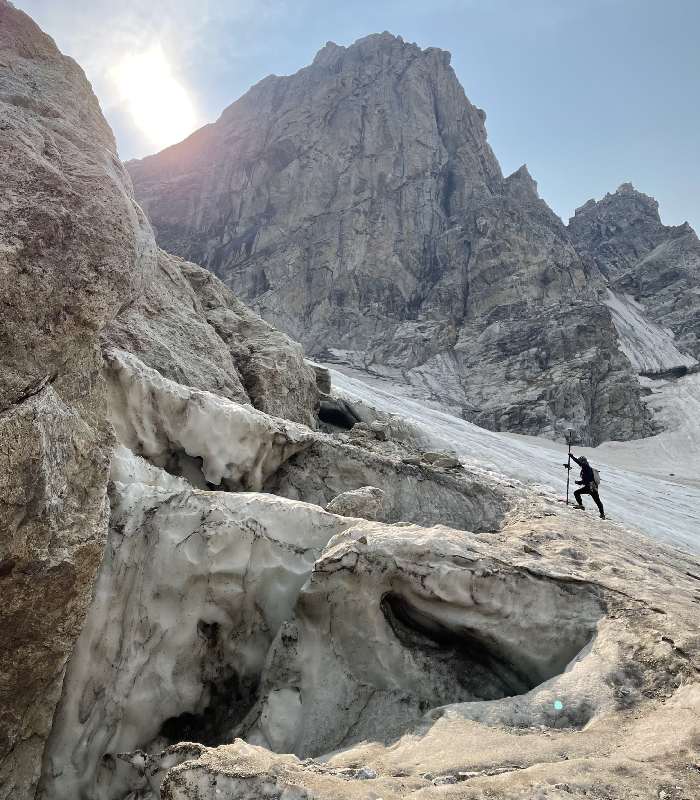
(371, 46)
(621, 202)
(656, 264)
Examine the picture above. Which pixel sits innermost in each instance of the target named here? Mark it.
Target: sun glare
(158, 103)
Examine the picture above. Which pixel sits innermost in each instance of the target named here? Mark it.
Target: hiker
(588, 484)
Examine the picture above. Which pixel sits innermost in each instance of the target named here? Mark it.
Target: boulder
(379, 429)
(366, 502)
(446, 462)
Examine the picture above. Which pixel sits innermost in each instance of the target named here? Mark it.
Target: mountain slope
(358, 206)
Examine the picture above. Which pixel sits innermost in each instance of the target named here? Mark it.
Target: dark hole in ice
(228, 696)
(208, 630)
(336, 413)
(467, 663)
(229, 701)
(479, 670)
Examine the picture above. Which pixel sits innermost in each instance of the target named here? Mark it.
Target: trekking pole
(568, 466)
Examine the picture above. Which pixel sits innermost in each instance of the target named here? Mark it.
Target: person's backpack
(596, 477)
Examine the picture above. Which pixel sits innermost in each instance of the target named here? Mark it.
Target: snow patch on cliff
(649, 347)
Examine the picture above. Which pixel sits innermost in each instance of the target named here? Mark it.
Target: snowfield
(650, 484)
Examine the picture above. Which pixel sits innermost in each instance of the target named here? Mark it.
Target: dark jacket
(586, 471)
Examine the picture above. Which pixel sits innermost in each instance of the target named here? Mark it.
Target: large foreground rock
(187, 325)
(74, 248)
(79, 272)
(359, 207)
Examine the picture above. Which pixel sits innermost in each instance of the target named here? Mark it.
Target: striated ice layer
(235, 445)
(193, 589)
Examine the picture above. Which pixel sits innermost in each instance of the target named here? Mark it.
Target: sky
(588, 93)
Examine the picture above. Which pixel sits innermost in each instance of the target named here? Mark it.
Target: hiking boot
(602, 515)
(579, 506)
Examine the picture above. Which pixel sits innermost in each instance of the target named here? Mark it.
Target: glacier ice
(193, 588)
(228, 443)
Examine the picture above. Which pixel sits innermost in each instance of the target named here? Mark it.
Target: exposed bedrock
(53, 525)
(657, 265)
(188, 326)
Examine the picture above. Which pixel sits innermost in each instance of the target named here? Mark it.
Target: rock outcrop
(187, 325)
(74, 249)
(366, 502)
(359, 207)
(657, 265)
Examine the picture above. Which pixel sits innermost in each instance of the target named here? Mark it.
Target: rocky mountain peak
(358, 206)
(658, 265)
(376, 46)
(619, 229)
(521, 184)
(623, 206)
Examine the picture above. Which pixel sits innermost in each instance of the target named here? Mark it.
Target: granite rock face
(74, 248)
(187, 325)
(272, 367)
(655, 264)
(359, 207)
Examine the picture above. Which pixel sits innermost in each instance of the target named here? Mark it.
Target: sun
(157, 102)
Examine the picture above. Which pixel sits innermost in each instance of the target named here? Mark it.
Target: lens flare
(155, 99)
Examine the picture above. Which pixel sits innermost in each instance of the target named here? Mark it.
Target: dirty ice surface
(651, 484)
